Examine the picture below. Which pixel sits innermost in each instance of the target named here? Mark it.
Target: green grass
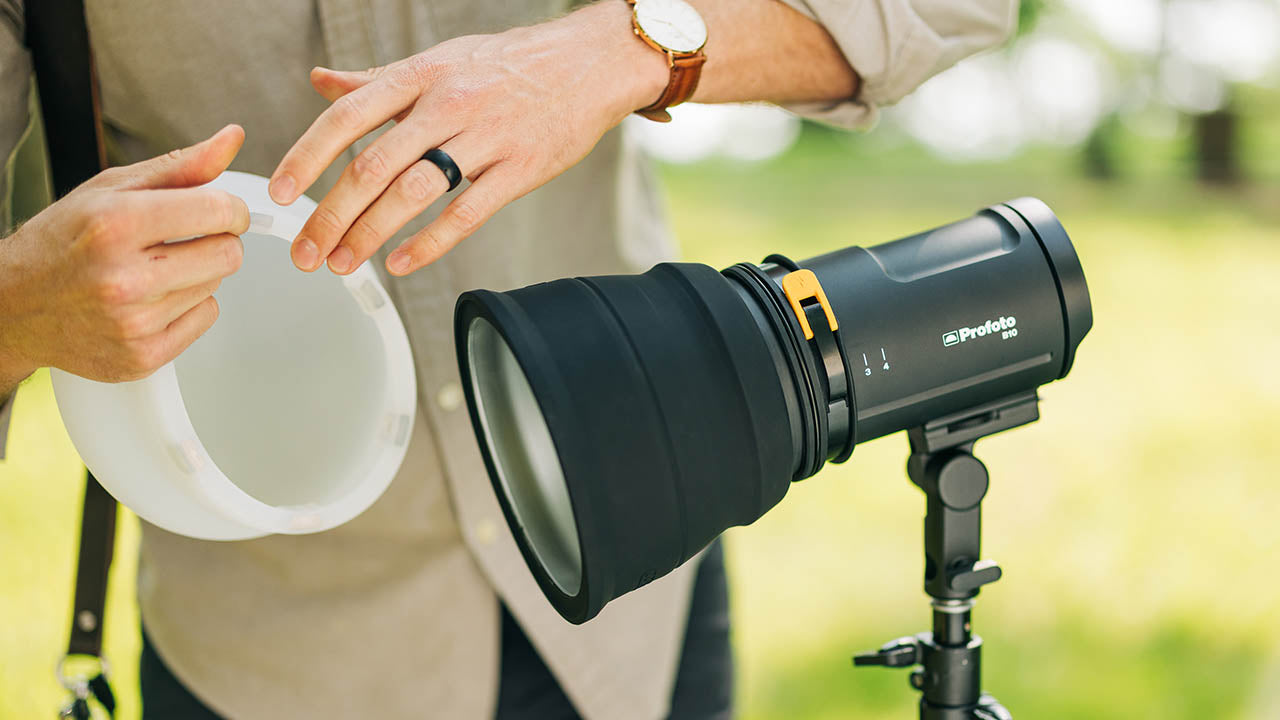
(1135, 522)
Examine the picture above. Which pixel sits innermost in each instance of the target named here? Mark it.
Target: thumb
(333, 84)
(189, 166)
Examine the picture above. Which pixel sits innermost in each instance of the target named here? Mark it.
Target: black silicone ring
(441, 159)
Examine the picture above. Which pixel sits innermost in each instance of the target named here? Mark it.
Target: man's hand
(516, 109)
(90, 284)
(513, 110)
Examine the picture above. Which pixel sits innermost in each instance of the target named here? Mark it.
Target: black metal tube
(951, 628)
(952, 675)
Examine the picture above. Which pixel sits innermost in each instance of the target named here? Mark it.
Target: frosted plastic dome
(291, 415)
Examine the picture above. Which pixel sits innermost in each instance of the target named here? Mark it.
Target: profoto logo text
(1006, 327)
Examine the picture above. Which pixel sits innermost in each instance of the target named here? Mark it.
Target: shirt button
(486, 532)
(449, 397)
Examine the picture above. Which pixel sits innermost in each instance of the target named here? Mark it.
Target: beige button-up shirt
(395, 613)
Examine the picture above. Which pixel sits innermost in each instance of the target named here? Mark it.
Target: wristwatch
(674, 28)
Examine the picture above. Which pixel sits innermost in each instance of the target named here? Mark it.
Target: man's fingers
(348, 119)
(333, 84)
(486, 195)
(363, 180)
(193, 263)
(178, 336)
(147, 217)
(413, 192)
(184, 167)
(155, 316)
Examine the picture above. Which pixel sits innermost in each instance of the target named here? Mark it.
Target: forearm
(10, 377)
(757, 50)
(765, 50)
(13, 369)
(12, 372)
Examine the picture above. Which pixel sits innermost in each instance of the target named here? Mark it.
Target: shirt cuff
(851, 114)
(6, 410)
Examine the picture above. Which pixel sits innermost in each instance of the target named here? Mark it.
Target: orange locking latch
(803, 285)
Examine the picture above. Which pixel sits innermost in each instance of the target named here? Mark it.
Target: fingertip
(338, 80)
(399, 262)
(283, 189)
(327, 76)
(341, 260)
(305, 255)
(237, 132)
(222, 150)
(231, 132)
(242, 215)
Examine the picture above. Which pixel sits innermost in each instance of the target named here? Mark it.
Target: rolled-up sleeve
(895, 45)
(15, 75)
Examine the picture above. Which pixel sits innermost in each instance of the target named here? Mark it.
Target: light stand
(954, 482)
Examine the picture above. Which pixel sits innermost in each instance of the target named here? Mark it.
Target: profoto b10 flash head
(626, 421)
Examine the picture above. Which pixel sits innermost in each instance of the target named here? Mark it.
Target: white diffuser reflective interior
(291, 415)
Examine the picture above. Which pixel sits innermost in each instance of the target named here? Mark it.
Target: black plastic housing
(683, 401)
(1011, 264)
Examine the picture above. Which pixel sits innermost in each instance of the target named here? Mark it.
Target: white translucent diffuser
(291, 415)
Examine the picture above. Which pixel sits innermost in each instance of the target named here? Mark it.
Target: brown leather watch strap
(685, 72)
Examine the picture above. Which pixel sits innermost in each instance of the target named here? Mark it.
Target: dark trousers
(527, 690)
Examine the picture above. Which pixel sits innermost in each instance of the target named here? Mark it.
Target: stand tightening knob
(973, 576)
(903, 652)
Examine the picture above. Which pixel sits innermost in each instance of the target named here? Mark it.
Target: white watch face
(673, 24)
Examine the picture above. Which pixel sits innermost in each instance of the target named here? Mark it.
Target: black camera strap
(58, 39)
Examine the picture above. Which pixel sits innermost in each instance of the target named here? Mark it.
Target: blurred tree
(1099, 150)
(1217, 145)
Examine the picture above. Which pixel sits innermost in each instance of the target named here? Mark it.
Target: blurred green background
(1136, 521)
